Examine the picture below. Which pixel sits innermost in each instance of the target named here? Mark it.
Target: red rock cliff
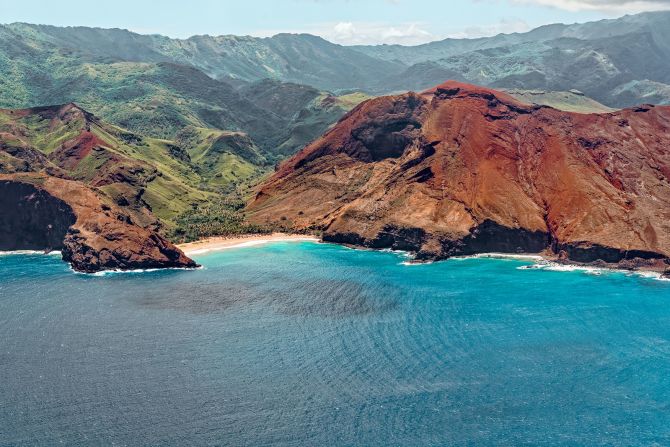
(40, 212)
(460, 169)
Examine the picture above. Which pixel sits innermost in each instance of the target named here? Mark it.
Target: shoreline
(30, 252)
(551, 263)
(219, 243)
(543, 261)
(538, 260)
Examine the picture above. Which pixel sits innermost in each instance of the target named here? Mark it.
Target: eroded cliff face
(459, 170)
(40, 212)
(32, 219)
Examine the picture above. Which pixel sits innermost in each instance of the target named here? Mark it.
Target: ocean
(305, 344)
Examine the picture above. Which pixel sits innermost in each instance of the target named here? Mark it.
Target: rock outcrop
(459, 169)
(40, 212)
(31, 218)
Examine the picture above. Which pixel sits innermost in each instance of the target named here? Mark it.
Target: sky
(347, 22)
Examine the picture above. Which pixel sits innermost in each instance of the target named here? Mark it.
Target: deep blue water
(308, 344)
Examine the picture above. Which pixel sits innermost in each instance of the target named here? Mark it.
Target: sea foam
(132, 271)
(590, 270)
(30, 252)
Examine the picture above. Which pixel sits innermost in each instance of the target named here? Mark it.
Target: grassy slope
(43, 66)
(133, 170)
(223, 158)
(304, 59)
(239, 135)
(567, 101)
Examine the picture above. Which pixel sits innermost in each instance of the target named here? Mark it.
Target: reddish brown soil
(43, 212)
(460, 169)
(72, 152)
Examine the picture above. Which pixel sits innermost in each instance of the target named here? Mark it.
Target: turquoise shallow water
(309, 344)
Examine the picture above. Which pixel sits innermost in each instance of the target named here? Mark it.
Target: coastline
(218, 243)
(541, 261)
(30, 252)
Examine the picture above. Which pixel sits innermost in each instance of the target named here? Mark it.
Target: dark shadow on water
(197, 298)
(322, 298)
(334, 299)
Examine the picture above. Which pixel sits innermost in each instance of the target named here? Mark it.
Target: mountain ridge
(460, 169)
(611, 54)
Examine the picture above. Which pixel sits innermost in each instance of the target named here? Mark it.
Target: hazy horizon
(312, 34)
(369, 22)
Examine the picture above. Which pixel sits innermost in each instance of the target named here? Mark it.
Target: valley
(181, 134)
(335, 223)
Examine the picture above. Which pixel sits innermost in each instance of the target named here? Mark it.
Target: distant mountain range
(147, 93)
(168, 136)
(618, 62)
(277, 90)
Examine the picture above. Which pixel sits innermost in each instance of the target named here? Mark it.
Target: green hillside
(158, 182)
(149, 94)
(300, 58)
(176, 147)
(570, 101)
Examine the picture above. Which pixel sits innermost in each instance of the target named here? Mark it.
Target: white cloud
(365, 33)
(609, 6)
(350, 33)
(344, 30)
(506, 26)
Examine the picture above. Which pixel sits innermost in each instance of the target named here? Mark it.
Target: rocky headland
(460, 170)
(41, 212)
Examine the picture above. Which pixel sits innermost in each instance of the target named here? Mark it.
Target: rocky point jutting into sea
(460, 170)
(49, 213)
(70, 182)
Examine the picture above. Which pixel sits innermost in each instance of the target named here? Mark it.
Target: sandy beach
(245, 240)
(542, 260)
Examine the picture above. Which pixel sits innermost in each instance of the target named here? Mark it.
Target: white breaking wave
(542, 264)
(589, 270)
(558, 267)
(416, 262)
(512, 256)
(403, 253)
(521, 257)
(30, 252)
(134, 271)
(651, 275)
